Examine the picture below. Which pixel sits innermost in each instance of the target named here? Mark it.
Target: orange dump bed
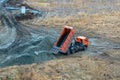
(64, 41)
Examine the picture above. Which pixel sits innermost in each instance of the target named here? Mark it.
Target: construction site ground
(99, 21)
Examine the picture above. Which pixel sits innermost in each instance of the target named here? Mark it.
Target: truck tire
(84, 48)
(76, 48)
(68, 52)
(73, 51)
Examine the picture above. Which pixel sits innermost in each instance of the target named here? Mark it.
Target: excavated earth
(99, 21)
(25, 51)
(20, 44)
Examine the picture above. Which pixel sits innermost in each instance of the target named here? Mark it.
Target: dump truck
(68, 44)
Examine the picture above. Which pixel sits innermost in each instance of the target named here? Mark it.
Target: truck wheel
(68, 52)
(84, 48)
(73, 51)
(76, 48)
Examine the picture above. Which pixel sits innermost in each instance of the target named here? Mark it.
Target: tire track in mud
(6, 32)
(20, 32)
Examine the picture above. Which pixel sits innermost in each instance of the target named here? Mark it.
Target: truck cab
(82, 40)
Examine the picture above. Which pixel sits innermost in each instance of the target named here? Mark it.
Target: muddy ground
(97, 20)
